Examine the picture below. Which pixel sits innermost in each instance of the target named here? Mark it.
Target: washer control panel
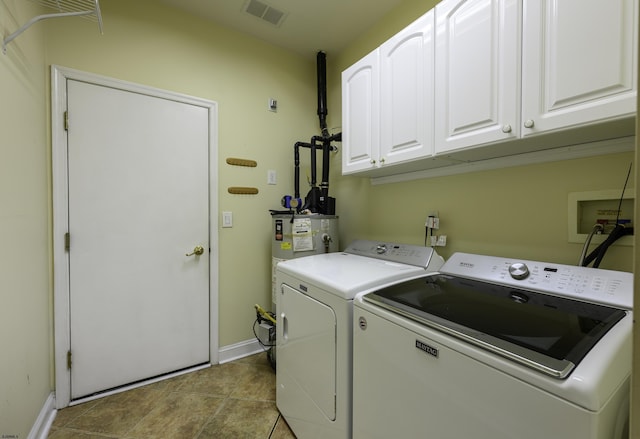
(595, 285)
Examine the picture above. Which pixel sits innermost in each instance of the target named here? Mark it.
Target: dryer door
(306, 352)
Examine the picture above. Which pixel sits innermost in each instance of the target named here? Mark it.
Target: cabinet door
(361, 114)
(477, 70)
(406, 93)
(579, 62)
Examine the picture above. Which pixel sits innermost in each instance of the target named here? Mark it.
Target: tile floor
(231, 400)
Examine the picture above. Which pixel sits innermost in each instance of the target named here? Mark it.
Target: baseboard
(239, 350)
(40, 429)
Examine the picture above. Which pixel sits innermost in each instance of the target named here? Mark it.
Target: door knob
(197, 250)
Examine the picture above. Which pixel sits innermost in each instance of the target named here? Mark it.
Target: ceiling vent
(264, 12)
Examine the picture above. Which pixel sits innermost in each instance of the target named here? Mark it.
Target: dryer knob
(519, 271)
(381, 249)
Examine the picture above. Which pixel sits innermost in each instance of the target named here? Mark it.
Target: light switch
(227, 219)
(271, 176)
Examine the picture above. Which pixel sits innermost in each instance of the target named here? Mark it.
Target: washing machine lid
(346, 275)
(547, 333)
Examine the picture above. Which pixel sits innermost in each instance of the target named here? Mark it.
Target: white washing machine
(495, 348)
(314, 331)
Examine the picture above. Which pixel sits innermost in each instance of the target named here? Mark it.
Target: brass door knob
(197, 250)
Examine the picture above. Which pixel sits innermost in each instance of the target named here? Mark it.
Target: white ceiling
(309, 25)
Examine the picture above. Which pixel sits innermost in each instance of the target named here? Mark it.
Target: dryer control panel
(400, 253)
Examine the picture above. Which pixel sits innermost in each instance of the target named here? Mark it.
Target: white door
(138, 202)
(361, 114)
(579, 62)
(477, 72)
(406, 93)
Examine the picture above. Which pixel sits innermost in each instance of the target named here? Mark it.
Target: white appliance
(314, 331)
(298, 236)
(494, 348)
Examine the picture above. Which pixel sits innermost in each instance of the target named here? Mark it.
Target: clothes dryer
(314, 331)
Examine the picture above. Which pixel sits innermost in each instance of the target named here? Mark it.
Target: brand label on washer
(426, 348)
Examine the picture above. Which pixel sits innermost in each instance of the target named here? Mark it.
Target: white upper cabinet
(406, 93)
(477, 95)
(480, 79)
(579, 62)
(361, 114)
(387, 101)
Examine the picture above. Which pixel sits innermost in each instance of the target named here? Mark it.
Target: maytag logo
(466, 264)
(426, 348)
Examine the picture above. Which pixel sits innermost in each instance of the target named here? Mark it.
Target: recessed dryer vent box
(589, 208)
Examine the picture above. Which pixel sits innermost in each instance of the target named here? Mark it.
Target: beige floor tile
(220, 380)
(240, 418)
(73, 434)
(68, 414)
(232, 400)
(260, 359)
(258, 383)
(282, 430)
(179, 415)
(117, 414)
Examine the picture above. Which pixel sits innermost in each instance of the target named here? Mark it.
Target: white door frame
(62, 336)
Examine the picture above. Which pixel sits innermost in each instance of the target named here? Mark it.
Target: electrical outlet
(438, 241)
(432, 222)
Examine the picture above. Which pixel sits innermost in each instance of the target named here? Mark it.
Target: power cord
(618, 232)
(257, 321)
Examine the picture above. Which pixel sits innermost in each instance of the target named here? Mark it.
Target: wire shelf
(89, 9)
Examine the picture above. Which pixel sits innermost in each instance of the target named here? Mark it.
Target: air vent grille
(265, 12)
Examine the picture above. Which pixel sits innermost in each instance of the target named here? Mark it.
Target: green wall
(25, 311)
(519, 212)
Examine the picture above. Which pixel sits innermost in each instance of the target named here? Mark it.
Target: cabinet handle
(382, 161)
(506, 128)
(529, 123)
(373, 162)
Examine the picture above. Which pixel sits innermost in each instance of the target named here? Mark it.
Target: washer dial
(519, 271)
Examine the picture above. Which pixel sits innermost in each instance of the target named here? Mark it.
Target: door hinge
(67, 242)
(66, 121)
(69, 359)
